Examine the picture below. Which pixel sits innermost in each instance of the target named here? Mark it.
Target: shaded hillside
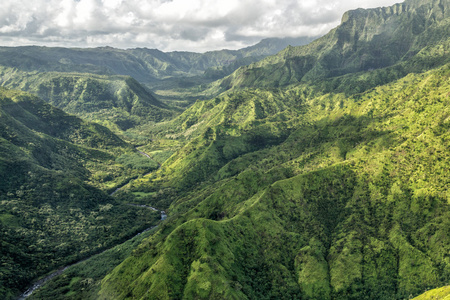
(115, 101)
(50, 215)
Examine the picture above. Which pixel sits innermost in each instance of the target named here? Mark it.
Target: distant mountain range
(85, 82)
(145, 65)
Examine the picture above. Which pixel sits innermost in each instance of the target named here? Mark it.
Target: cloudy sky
(193, 25)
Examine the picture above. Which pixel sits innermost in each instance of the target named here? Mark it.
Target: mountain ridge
(320, 173)
(338, 52)
(143, 64)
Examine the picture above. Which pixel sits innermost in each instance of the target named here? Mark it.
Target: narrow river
(44, 280)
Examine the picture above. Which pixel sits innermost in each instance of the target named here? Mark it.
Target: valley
(60, 271)
(316, 170)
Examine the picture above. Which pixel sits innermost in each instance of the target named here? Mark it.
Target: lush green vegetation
(117, 102)
(338, 209)
(321, 173)
(441, 293)
(50, 215)
(81, 281)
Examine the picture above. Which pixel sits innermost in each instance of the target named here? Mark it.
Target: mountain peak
(367, 39)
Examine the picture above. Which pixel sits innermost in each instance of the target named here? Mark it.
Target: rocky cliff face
(366, 39)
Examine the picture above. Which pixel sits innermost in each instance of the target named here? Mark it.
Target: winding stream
(44, 280)
(58, 272)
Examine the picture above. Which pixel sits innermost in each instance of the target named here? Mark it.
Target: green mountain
(145, 65)
(321, 173)
(54, 209)
(115, 101)
(348, 201)
(412, 36)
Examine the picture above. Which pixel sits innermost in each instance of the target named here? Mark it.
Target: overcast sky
(193, 25)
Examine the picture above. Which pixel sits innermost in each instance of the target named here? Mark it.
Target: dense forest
(319, 172)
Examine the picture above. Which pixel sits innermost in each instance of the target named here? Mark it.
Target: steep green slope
(441, 293)
(365, 40)
(335, 187)
(353, 204)
(115, 101)
(51, 214)
(219, 130)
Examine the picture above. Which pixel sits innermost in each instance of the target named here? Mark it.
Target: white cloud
(195, 25)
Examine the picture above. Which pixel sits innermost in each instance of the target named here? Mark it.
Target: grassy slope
(441, 294)
(339, 209)
(82, 280)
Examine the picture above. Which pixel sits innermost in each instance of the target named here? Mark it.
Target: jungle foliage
(53, 211)
(350, 204)
(320, 173)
